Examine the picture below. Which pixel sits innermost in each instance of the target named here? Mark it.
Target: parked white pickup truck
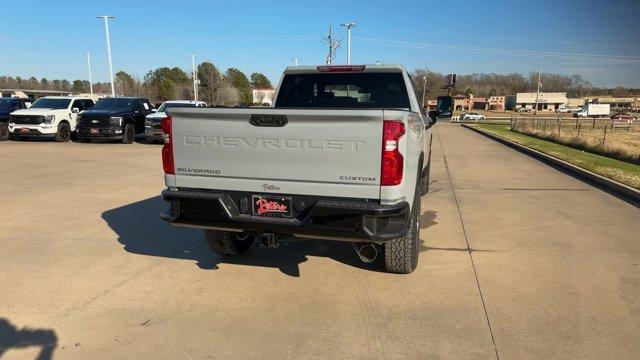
(343, 155)
(152, 129)
(50, 116)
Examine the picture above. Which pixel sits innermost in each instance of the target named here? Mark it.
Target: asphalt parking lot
(518, 261)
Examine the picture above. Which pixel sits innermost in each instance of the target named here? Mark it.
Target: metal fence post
(558, 135)
(604, 137)
(544, 127)
(579, 126)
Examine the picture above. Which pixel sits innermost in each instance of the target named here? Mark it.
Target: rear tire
(4, 132)
(228, 243)
(64, 132)
(401, 254)
(129, 134)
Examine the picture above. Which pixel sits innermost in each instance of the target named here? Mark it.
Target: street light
(295, 59)
(195, 79)
(349, 26)
(106, 30)
(90, 79)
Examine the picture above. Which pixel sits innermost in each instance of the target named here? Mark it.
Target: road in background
(89, 269)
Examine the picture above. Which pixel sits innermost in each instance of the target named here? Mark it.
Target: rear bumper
(313, 217)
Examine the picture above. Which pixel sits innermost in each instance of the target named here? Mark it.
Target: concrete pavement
(518, 261)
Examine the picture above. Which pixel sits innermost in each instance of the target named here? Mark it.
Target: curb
(630, 194)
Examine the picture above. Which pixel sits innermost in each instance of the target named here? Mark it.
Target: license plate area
(25, 130)
(93, 131)
(272, 206)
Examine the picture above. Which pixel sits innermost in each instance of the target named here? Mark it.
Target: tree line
(233, 87)
(230, 88)
(485, 85)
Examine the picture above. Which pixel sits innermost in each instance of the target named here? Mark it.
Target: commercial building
(574, 102)
(480, 103)
(615, 102)
(497, 103)
(547, 101)
(462, 102)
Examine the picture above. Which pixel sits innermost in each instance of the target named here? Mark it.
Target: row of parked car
(64, 117)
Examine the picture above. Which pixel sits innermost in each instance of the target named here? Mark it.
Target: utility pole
(90, 78)
(195, 78)
(106, 30)
(538, 91)
(424, 83)
(333, 46)
(349, 26)
(295, 59)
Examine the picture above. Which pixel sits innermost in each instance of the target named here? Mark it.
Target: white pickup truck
(343, 155)
(50, 116)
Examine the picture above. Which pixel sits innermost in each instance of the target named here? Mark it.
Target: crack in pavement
(466, 239)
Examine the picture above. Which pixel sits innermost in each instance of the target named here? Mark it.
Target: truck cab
(50, 116)
(114, 118)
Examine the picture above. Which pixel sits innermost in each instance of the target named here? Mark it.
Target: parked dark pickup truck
(115, 118)
(7, 106)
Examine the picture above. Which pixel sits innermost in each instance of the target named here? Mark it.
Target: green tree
(125, 83)
(80, 86)
(166, 89)
(259, 81)
(239, 80)
(209, 78)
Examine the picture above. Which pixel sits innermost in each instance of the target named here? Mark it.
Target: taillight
(392, 160)
(167, 148)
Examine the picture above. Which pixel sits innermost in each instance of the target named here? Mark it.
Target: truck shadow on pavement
(141, 231)
(12, 337)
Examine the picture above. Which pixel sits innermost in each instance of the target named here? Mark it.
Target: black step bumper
(318, 217)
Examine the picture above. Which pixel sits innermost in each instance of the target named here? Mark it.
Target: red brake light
(167, 148)
(392, 160)
(341, 68)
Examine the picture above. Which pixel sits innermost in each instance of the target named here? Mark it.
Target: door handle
(268, 120)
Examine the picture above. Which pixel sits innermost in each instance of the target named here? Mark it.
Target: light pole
(349, 26)
(295, 59)
(90, 79)
(424, 83)
(106, 30)
(195, 79)
(538, 91)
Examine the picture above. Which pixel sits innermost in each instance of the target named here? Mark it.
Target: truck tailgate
(333, 153)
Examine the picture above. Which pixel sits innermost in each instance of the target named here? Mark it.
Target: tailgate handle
(268, 120)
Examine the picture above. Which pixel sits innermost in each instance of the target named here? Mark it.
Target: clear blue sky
(49, 38)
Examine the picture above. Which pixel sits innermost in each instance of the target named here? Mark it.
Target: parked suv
(152, 130)
(7, 106)
(114, 118)
(50, 116)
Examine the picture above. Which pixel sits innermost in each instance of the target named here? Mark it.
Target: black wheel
(129, 134)
(64, 132)
(4, 132)
(401, 254)
(228, 243)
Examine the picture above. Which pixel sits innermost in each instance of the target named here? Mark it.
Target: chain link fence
(619, 139)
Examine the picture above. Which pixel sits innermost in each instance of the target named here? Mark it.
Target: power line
(522, 39)
(498, 51)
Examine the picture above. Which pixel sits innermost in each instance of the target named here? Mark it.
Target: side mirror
(154, 110)
(75, 110)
